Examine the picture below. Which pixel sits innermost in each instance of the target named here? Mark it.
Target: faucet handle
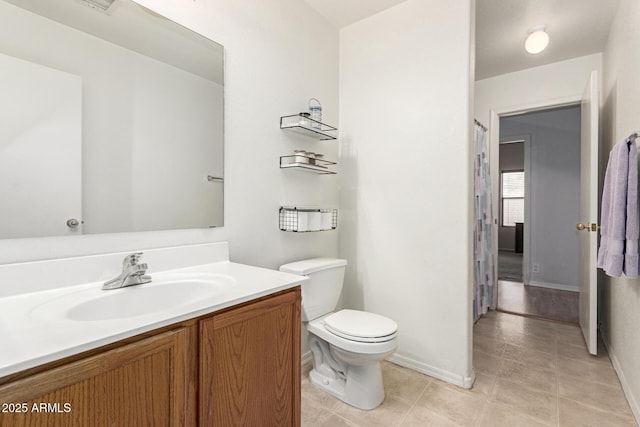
(139, 269)
(132, 259)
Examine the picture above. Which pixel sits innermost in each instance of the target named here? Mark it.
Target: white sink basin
(165, 292)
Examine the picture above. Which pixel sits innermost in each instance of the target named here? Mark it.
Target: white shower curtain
(483, 262)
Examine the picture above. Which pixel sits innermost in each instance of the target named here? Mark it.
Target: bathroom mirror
(112, 120)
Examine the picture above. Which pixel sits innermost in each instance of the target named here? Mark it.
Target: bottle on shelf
(315, 109)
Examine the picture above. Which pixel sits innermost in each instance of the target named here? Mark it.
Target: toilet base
(362, 387)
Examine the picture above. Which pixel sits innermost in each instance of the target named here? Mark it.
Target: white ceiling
(575, 27)
(345, 12)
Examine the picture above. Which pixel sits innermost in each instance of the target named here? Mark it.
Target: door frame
(526, 140)
(494, 165)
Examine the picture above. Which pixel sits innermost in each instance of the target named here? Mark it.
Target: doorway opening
(538, 202)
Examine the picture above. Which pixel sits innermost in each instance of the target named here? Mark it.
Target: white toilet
(348, 345)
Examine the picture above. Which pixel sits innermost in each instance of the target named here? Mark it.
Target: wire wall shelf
(307, 164)
(307, 126)
(307, 219)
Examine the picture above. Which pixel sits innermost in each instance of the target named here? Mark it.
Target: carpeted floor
(514, 297)
(551, 304)
(509, 266)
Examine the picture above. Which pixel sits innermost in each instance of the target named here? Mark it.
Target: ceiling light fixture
(537, 41)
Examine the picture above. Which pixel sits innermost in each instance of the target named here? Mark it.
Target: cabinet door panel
(250, 365)
(139, 384)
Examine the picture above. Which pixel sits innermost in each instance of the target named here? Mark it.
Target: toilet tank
(321, 292)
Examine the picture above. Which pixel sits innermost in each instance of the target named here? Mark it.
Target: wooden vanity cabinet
(236, 367)
(139, 384)
(250, 364)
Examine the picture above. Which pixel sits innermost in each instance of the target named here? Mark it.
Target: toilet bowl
(347, 346)
(348, 367)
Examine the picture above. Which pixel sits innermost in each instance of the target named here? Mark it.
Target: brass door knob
(581, 226)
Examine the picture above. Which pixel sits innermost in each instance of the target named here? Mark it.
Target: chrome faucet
(132, 273)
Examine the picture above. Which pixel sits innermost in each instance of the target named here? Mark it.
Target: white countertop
(35, 330)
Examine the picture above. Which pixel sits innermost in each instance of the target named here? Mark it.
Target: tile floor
(530, 372)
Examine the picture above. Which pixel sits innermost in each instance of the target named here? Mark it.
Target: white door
(589, 213)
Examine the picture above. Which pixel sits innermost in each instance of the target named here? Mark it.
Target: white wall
(620, 302)
(554, 81)
(405, 115)
(279, 53)
(554, 175)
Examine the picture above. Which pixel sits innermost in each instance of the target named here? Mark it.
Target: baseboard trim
(468, 381)
(558, 286)
(633, 403)
(432, 371)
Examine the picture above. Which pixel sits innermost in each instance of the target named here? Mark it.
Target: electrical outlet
(535, 268)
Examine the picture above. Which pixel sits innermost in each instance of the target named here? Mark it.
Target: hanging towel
(631, 262)
(618, 251)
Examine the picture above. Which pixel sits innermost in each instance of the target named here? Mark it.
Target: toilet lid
(361, 326)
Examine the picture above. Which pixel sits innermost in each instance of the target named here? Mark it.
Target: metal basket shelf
(307, 219)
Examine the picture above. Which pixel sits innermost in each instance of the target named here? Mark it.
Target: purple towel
(618, 251)
(631, 264)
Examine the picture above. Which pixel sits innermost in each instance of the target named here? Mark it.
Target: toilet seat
(318, 328)
(361, 326)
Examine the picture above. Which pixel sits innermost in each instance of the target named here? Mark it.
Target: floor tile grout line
(596, 408)
(346, 419)
(486, 401)
(424, 389)
(506, 406)
(527, 386)
(414, 403)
